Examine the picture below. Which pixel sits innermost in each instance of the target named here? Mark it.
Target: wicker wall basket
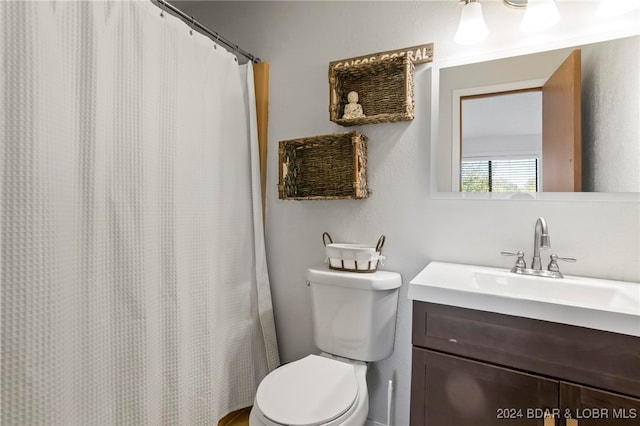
(323, 167)
(384, 87)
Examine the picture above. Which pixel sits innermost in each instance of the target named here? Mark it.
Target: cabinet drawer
(592, 357)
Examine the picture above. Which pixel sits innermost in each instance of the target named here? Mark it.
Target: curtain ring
(193, 22)
(161, 3)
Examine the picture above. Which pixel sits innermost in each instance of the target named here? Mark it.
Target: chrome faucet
(540, 240)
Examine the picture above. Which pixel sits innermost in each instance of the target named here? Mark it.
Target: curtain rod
(191, 21)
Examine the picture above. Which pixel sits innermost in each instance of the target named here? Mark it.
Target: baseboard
(370, 422)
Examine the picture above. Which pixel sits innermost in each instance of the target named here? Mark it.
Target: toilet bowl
(354, 322)
(316, 390)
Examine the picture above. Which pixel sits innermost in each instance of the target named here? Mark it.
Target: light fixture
(611, 8)
(515, 3)
(471, 28)
(539, 15)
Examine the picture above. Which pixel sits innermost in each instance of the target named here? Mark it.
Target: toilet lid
(308, 392)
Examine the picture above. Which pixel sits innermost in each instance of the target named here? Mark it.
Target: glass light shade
(611, 8)
(472, 28)
(540, 15)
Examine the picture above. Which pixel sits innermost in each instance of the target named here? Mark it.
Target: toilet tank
(354, 314)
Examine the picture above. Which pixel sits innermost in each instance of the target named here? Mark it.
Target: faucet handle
(553, 264)
(520, 263)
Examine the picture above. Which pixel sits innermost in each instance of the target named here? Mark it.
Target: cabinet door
(584, 406)
(449, 390)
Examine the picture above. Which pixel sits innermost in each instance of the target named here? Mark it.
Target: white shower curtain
(134, 282)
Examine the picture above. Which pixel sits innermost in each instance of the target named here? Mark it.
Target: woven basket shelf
(385, 91)
(326, 167)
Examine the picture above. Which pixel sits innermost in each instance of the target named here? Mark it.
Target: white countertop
(587, 302)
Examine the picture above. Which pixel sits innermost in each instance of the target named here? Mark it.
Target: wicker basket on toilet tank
(353, 257)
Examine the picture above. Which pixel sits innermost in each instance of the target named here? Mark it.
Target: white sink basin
(587, 302)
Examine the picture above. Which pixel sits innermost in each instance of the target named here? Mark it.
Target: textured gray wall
(610, 116)
(299, 39)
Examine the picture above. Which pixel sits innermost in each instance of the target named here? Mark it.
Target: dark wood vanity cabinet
(475, 368)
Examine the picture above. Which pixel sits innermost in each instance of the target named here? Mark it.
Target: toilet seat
(309, 392)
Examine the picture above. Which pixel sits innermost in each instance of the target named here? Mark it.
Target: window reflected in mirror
(501, 142)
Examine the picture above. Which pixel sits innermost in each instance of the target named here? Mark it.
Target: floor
(237, 418)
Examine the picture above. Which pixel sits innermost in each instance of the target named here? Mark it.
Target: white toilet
(354, 322)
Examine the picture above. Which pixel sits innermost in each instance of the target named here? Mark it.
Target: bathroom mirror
(610, 107)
